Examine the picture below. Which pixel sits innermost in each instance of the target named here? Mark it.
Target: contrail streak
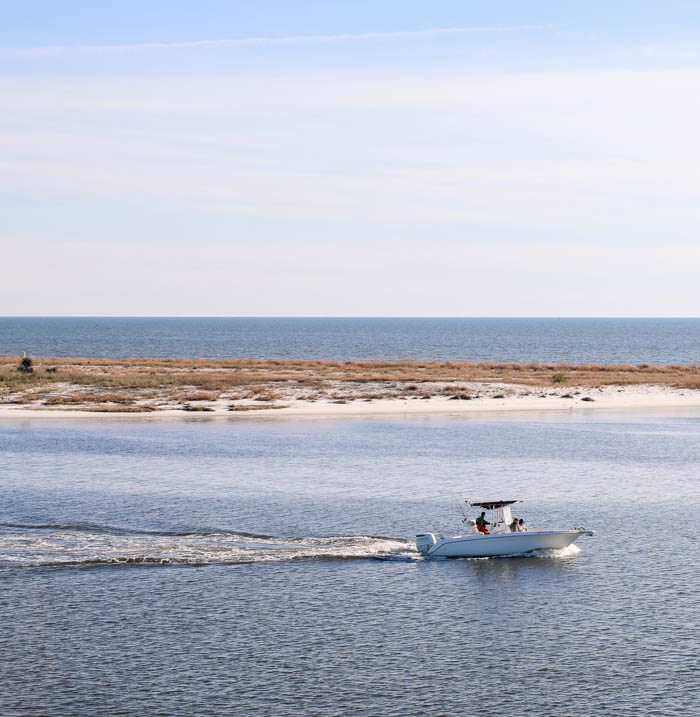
(288, 40)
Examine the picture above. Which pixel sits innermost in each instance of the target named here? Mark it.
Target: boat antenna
(461, 510)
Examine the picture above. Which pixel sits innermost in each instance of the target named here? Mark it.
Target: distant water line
(573, 340)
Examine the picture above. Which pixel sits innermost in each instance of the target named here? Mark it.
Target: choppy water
(228, 566)
(654, 341)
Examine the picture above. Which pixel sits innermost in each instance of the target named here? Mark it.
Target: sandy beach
(492, 399)
(61, 387)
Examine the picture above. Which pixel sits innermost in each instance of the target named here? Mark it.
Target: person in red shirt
(481, 523)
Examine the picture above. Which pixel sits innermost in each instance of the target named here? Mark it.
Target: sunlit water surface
(580, 340)
(266, 567)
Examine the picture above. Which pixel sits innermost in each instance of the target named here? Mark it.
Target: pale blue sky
(350, 158)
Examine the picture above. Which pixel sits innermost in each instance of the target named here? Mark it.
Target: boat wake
(551, 553)
(87, 544)
(567, 552)
(59, 545)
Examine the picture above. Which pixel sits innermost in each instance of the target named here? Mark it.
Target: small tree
(25, 364)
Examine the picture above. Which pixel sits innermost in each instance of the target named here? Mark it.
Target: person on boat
(521, 526)
(514, 526)
(481, 523)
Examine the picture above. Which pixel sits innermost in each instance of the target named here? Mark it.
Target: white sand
(545, 399)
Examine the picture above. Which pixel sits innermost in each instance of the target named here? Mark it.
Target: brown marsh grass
(123, 381)
(122, 398)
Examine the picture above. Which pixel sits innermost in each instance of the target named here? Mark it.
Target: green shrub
(25, 364)
(559, 378)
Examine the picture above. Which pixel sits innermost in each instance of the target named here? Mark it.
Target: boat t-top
(495, 532)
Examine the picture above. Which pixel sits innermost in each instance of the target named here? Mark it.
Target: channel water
(261, 566)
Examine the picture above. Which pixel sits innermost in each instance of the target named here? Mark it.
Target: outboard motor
(424, 542)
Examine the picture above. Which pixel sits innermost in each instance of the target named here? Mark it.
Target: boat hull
(482, 546)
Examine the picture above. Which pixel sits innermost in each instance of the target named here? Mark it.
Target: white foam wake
(54, 545)
(567, 552)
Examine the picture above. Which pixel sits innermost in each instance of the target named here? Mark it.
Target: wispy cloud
(283, 40)
(558, 153)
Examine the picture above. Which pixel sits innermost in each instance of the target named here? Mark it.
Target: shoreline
(167, 388)
(569, 400)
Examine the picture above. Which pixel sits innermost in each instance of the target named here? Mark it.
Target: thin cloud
(256, 41)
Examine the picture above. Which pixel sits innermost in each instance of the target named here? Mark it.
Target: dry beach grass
(134, 384)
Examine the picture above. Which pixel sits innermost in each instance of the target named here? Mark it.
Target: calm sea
(654, 341)
(265, 567)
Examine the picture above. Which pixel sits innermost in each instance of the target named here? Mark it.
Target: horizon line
(270, 316)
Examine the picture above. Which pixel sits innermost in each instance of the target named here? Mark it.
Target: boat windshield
(500, 516)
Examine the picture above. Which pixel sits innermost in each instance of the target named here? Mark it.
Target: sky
(350, 158)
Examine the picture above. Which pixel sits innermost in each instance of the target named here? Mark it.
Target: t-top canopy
(492, 504)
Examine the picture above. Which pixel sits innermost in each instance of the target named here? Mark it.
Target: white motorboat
(495, 533)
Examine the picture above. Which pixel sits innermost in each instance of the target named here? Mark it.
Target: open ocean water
(653, 341)
(266, 567)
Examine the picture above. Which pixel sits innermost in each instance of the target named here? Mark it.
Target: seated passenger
(514, 526)
(521, 526)
(481, 523)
